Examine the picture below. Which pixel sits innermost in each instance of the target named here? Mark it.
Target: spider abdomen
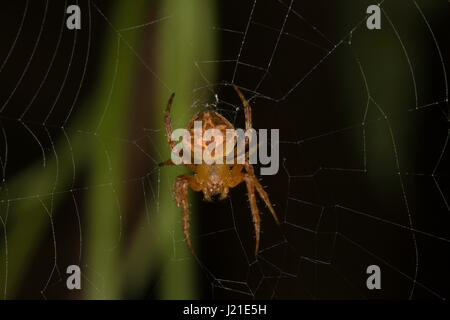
(210, 120)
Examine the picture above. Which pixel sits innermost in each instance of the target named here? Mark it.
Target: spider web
(363, 119)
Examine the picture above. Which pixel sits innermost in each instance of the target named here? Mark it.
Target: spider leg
(254, 208)
(167, 122)
(236, 175)
(170, 163)
(166, 163)
(224, 193)
(248, 123)
(247, 110)
(237, 178)
(251, 150)
(168, 125)
(261, 191)
(180, 190)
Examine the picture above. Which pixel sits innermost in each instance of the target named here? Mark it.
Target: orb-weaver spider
(216, 178)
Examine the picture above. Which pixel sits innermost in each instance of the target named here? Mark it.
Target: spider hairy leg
(166, 163)
(170, 163)
(249, 181)
(247, 110)
(262, 193)
(181, 196)
(265, 197)
(236, 175)
(167, 122)
(248, 119)
(224, 194)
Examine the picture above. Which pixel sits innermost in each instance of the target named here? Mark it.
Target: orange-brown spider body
(215, 178)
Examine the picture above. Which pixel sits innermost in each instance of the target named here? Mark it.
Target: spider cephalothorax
(215, 178)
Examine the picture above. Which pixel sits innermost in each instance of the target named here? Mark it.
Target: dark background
(331, 162)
